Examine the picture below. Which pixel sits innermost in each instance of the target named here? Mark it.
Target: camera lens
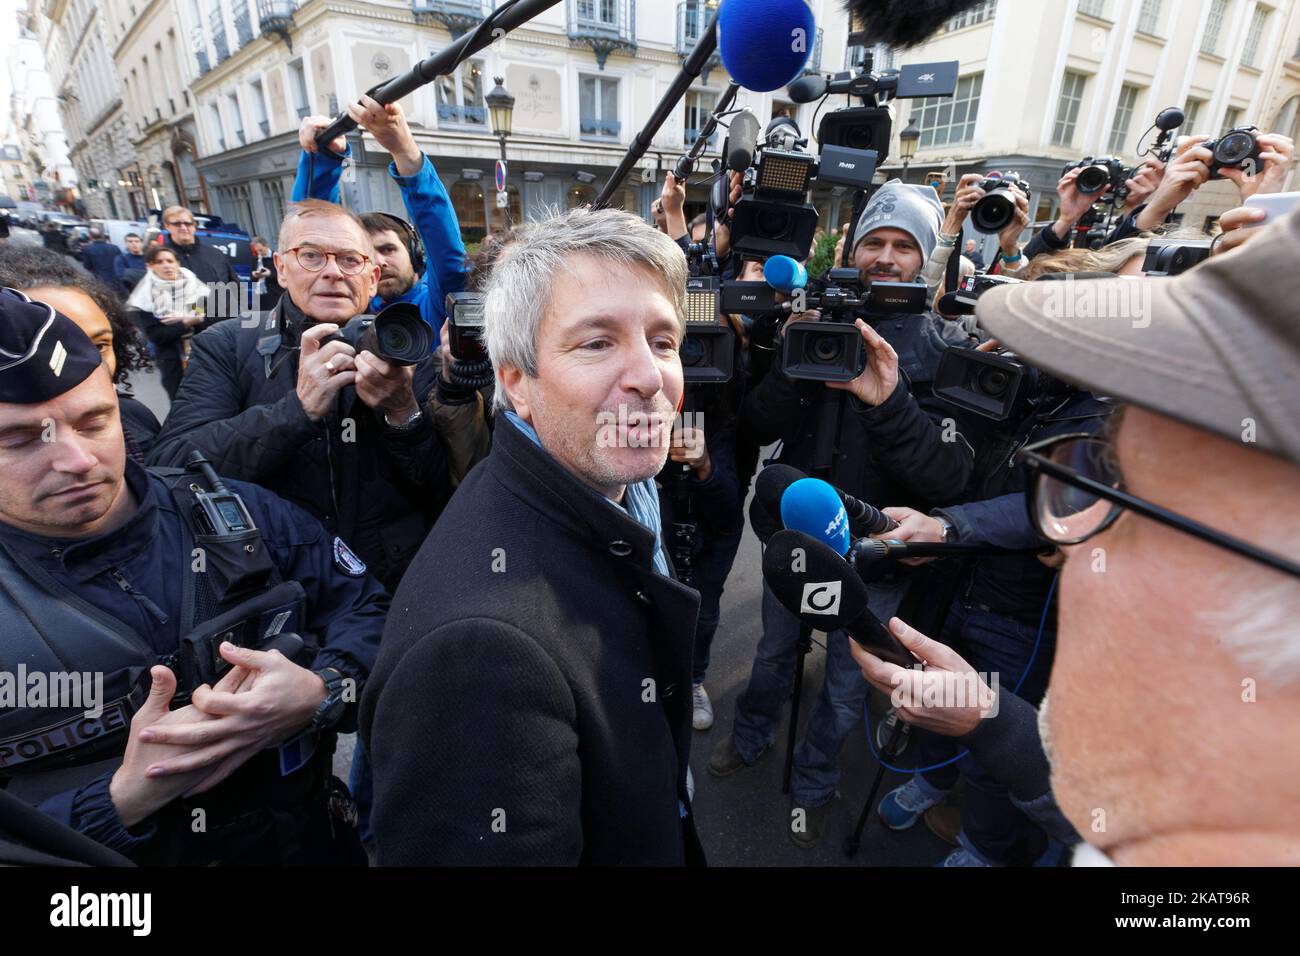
(1234, 149)
(825, 349)
(773, 222)
(403, 339)
(693, 352)
(992, 382)
(1092, 179)
(859, 137)
(993, 213)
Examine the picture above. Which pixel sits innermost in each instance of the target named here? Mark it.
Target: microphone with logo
(818, 586)
(775, 480)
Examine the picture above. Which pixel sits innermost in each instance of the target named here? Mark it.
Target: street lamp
(501, 107)
(908, 140)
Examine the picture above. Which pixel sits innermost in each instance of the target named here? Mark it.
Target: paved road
(744, 820)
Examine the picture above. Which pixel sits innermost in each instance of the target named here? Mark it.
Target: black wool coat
(532, 700)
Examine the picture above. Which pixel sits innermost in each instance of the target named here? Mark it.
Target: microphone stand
(505, 18)
(641, 143)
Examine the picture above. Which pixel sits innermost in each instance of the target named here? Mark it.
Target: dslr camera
(997, 210)
(398, 334)
(1099, 173)
(1234, 149)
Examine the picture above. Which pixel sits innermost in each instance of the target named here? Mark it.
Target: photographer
(281, 403)
(968, 194)
(891, 444)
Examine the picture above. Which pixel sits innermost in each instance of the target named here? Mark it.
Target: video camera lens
(401, 334)
(992, 382)
(825, 349)
(693, 352)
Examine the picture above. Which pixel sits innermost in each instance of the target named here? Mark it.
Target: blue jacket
(428, 207)
(100, 258)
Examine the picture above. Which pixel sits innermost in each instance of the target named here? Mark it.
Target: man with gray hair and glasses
(1173, 731)
(532, 702)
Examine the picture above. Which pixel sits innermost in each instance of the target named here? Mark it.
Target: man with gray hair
(532, 700)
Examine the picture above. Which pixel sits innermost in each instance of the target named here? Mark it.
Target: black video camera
(708, 351)
(773, 216)
(1099, 173)
(970, 288)
(995, 386)
(997, 209)
(1234, 149)
(398, 334)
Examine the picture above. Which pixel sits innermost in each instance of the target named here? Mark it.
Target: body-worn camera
(398, 334)
(997, 209)
(1099, 173)
(1234, 149)
(1171, 257)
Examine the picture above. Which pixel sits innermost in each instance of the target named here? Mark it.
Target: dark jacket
(211, 265)
(894, 454)
(139, 424)
(535, 675)
(100, 257)
(129, 269)
(377, 487)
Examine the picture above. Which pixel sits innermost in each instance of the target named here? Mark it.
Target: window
(1250, 52)
(1214, 26)
(1067, 108)
(1123, 114)
(949, 120)
(259, 107)
(598, 107)
(1149, 17)
(784, 108)
(1191, 116)
(976, 14)
(298, 89)
(1093, 8)
(1232, 118)
(1288, 119)
(460, 96)
(214, 120)
(699, 107)
(237, 117)
(601, 11)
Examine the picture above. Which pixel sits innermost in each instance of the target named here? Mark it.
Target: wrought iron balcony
(606, 26)
(217, 25)
(276, 16)
(457, 17)
(199, 44)
(468, 115)
(243, 24)
(595, 127)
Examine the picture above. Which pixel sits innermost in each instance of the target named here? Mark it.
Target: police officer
(125, 593)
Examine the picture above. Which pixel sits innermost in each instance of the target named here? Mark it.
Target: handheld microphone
(812, 506)
(773, 481)
(742, 142)
(818, 586)
(785, 274)
(904, 23)
(764, 44)
(864, 551)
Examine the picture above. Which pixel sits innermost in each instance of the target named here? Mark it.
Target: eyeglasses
(179, 223)
(313, 260)
(1077, 492)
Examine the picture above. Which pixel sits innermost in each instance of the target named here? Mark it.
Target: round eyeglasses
(313, 259)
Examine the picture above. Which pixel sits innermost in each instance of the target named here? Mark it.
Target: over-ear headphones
(409, 236)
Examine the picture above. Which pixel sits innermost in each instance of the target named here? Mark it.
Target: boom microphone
(818, 586)
(742, 142)
(764, 44)
(904, 23)
(773, 481)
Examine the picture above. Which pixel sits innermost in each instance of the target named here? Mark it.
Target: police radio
(235, 557)
(220, 511)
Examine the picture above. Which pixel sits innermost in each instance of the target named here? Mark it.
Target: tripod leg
(854, 843)
(805, 645)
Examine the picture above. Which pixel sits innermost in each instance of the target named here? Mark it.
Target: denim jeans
(711, 569)
(838, 707)
(991, 824)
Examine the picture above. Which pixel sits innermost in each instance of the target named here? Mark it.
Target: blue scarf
(641, 499)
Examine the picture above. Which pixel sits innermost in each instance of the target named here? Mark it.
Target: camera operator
(339, 431)
(891, 445)
(1180, 647)
(1000, 618)
(419, 261)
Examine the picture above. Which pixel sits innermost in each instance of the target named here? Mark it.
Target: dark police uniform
(118, 603)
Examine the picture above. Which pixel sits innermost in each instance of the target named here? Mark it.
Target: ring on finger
(329, 366)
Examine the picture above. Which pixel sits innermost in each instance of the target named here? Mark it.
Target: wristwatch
(407, 425)
(949, 529)
(330, 711)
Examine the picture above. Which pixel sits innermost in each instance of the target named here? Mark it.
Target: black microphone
(870, 550)
(819, 587)
(807, 89)
(773, 481)
(742, 142)
(904, 23)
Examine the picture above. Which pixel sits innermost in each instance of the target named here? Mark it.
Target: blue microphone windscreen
(812, 506)
(785, 274)
(764, 44)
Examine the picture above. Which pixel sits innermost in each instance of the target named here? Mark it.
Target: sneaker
(962, 857)
(903, 806)
(807, 826)
(885, 730)
(702, 715)
(726, 759)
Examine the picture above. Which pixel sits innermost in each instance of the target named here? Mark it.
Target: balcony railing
(276, 16)
(458, 17)
(243, 24)
(606, 26)
(691, 135)
(217, 25)
(199, 44)
(595, 127)
(469, 115)
(264, 126)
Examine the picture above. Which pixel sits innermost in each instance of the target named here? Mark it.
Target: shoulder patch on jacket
(346, 561)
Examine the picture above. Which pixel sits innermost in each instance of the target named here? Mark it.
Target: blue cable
(1033, 655)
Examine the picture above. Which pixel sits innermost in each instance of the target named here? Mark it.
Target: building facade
(36, 166)
(586, 76)
(1044, 84)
